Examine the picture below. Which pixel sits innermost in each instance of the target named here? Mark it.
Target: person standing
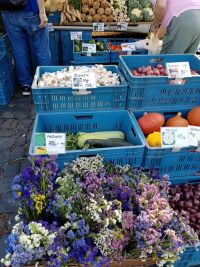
(25, 25)
(179, 22)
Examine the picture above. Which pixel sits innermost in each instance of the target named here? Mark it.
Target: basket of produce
(111, 134)
(149, 85)
(55, 47)
(67, 45)
(52, 89)
(175, 162)
(82, 54)
(93, 213)
(116, 48)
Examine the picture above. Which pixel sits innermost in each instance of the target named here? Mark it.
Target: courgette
(110, 142)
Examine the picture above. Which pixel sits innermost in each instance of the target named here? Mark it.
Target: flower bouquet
(94, 214)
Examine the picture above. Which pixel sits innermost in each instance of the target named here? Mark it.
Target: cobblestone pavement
(16, 122)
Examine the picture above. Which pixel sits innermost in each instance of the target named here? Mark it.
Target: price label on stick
(122, 26)
(176, 137)
(76, 35)
(89, 48)
(178, 69)
(98, 27)
(129, 47)
(83, 80)
(55, 143)
(194, 136)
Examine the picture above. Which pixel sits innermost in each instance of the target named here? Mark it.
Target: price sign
(55, 143)
(83, 80)
(129, 47)
(76, 35)
(50, 27)
(89, 48)
(98, 27)
(194, 136)
(40, 144)
(174, 137)
(122, 26)
(178, 69)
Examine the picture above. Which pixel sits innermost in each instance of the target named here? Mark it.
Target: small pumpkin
(154, 139)
(177, 121)
(151, 122)
(194, 116)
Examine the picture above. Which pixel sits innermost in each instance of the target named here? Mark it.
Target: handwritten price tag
(174, 137)
(122, 26)
(76, 35)
(83, 80)
(98, 27)
(194, 135)
(55, 143)
(129, 47)
(89, 48)
(178, 69)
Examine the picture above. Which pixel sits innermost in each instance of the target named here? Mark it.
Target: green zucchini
(110, 142)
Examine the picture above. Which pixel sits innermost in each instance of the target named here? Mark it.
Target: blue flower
(70, 234)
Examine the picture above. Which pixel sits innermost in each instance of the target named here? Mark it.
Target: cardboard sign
(89, 48)
(76, 35)
(176, 137)
(122, 26)
(129, 47)
(178, 69)
(83, 80)
(98, 27)
(55, 143)
(194, 136)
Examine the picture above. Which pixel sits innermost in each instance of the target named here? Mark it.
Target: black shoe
(26, 90)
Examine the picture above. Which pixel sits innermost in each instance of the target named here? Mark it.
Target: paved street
(16, 122)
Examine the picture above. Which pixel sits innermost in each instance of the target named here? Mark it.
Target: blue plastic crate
(5, 67)
(189, 258)
(54, 17)
(114, 55)
(185, 162)
(7, 87)
(55, 47)
(92, 58)
(146, 93)
(91, 122)
(67, 45)
(66, 99)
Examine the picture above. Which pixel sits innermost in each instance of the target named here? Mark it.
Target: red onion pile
(158, 70)
(185, 199)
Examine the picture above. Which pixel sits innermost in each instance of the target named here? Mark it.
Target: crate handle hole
(133, 131)
(156, 60)
(87, 156)
(194, 182)
(84, 117)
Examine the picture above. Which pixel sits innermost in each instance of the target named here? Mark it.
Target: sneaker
(26, 90)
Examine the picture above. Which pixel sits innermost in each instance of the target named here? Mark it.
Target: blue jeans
(23, 30)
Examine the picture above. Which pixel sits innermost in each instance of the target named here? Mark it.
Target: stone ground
(16, 122)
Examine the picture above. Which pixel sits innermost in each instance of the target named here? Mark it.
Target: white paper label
(55, 143)
(122, 26)
(83, 80)
(194, 136)
(98, 27)
(129, 47)
(174, 137)
(89, 48)
(76, 35)
(178, 69)
(50, 27)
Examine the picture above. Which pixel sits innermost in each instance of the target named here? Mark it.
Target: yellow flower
(19, 194)
(39, 202)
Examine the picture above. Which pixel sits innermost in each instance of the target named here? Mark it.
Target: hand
(154, 27)
(43, 20)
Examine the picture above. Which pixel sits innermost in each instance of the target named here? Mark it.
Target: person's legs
(39, 38)
(19, 42)
(183, 34)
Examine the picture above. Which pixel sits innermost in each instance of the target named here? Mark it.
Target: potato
(104, 18)
(89, 18)
(104, 4)
(85, 9)
(96, 5)
(108, 11)
(83, 17)
(84, 2)
(90, 3)
(96, 18)
(92, 11)
(100, 11)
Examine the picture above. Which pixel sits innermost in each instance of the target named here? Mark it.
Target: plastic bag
(155, 45)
